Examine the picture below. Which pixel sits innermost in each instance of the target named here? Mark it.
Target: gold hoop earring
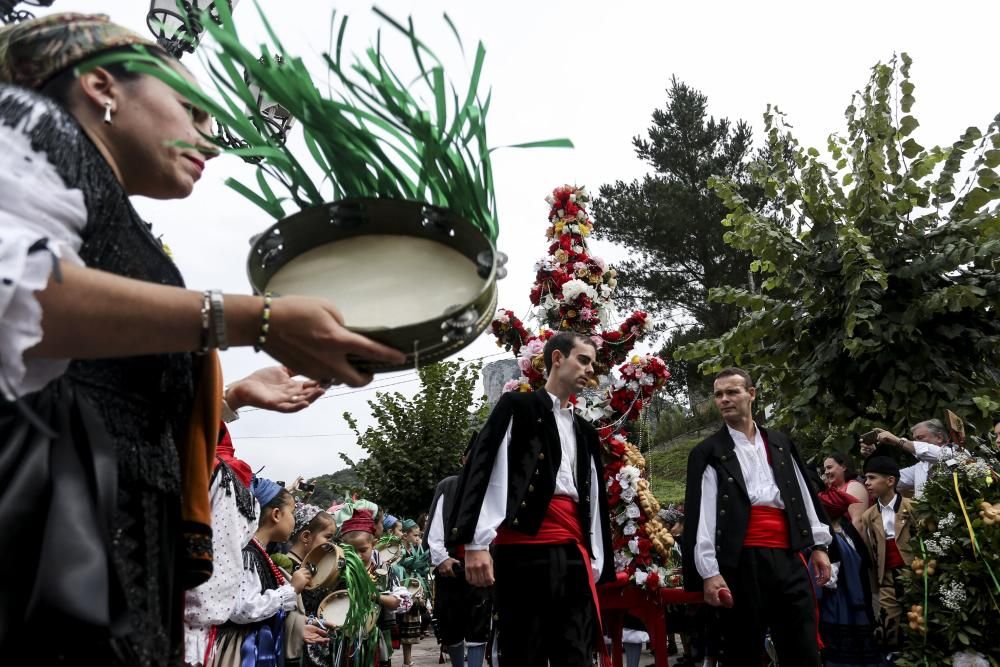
(107, 112)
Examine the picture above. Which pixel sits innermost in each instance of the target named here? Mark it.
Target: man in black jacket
(463, 611)
(533, 486)
(750, 514)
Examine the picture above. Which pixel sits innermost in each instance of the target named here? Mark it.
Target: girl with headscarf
(313, 528)
(99, 371)
(255, 632)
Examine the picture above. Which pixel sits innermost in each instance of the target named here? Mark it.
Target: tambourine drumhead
(382, 281)
(390, 553)
(325, 563)
(334, 608)
(413, 276)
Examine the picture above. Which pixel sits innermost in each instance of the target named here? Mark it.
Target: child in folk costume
(414, 567)
(393, 526)
(234, 522)
(254, 634)
(886, 531)
(359, 533)
(313, 527)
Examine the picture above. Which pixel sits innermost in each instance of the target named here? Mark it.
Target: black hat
(882, 465)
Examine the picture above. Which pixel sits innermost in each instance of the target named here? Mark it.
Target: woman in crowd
(845, 609)
(842, 483)
(96, 328)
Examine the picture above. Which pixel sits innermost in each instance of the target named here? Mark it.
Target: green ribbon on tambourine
(369, 135)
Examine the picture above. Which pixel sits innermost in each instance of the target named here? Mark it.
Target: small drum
(334, 609)
(410, 275)
(389, 554)
(415, 588)
(325, 562)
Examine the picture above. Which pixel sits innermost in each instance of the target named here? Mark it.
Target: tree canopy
(671, 221)
(879, 287)
(417, 442)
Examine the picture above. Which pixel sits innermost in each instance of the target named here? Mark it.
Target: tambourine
(415, 587)
(325, 563)
(388, 554)
(333, 609)
(410, 275)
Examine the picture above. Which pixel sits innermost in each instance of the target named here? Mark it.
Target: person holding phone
(929, 445)
(750, 515)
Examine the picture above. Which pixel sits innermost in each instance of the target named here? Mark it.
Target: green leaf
(911, 148)
(906, 125)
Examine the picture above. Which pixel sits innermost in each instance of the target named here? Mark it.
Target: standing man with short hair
(750, 513)
(533, 486)
(463, 611)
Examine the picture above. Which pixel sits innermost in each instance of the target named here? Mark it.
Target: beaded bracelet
(265, 323)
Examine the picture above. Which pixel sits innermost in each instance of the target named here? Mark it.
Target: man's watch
(821, 547)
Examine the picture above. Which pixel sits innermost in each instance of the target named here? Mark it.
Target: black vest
(732, 509)
(533, 459)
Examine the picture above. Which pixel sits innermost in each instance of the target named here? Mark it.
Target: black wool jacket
(534, 455)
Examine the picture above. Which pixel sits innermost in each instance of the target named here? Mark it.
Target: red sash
(893, 559)
(561, 525)
(768, 528)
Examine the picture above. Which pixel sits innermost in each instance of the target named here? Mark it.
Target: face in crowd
(733, 398)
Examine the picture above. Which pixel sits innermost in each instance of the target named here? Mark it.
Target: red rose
(653, 580)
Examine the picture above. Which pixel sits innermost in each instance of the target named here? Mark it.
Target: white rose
(630, 528)
(628, 494)
(640, 577)
(632, 511)
(633, 545)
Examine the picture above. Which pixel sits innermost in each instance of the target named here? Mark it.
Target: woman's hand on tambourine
(309, 337)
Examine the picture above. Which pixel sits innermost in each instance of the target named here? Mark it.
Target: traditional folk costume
(846, 622)
(463, 612)
(255, 631)
(361, 520)
(414, 565)
(93, 454)
(308, 600)
(886, 532)
(750, 513)
(532, 483)
(235, 513)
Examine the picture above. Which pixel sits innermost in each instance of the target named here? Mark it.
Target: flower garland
(953, 586)
(573, 292)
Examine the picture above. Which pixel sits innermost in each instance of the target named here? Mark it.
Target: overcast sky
(594, 72)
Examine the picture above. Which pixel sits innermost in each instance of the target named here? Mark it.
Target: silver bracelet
(206, 323)
(218, 320)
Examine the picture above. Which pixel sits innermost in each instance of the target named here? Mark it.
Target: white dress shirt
(435, 536)
(915, 476)
(494, 508)
(888, 513)
(761, 488)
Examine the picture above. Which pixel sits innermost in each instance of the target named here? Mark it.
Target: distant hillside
(334, 487)
(666, 465)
